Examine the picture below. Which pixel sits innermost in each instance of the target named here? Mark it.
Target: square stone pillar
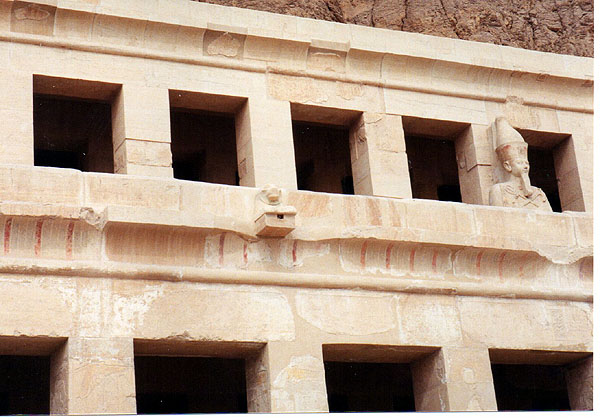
(378, 155)
(16, 118)
(141, 125)
(474, 155)
(580, 384)
(265, 144)
(287, 378)
(93, 376)
(454, 379)
(573, 163)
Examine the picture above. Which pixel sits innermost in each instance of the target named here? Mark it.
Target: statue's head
(514, 159)
(511, 149)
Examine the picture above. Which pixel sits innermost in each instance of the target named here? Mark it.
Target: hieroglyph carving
(517, 191)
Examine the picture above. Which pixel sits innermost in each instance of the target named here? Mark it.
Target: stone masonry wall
(558, 26)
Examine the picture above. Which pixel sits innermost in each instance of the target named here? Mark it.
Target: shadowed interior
(169, 385)
(24, 385)
(369, 387)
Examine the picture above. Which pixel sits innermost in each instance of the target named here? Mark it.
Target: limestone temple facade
(206, 208)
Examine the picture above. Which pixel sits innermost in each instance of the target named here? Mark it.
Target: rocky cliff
(560, 26)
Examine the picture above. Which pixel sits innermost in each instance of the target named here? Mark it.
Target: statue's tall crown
(509, 142)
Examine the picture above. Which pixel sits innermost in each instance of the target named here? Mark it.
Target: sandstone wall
(559, 26)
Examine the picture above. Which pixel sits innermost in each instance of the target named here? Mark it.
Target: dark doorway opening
(24, 385)
(72, 133)
(433, 169)
(543, 175)
(179, 385)
(203, 146)
(369, 387)
(530, 387)
(322, 158)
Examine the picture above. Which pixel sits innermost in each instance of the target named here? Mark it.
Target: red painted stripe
(388, 256)
(245, 253)
(434, 261)
(412, 259)
(37, 249)
(522, 266)
(363, 254)
(7, 229)
(500, 261)
(581, 270)
(221, 249)
(479, 255)
(69, 246)
(294, 251)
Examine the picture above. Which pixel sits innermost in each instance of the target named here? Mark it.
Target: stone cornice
(382, 58)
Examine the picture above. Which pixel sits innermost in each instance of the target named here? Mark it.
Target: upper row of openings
(72, 129)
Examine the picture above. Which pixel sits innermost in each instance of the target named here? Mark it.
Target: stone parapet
(452, 245)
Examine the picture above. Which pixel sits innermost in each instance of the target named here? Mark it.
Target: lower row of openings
(166, 385)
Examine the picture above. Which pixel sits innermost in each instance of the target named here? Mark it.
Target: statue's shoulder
(539, 195)
(539, 192)
(495, 196)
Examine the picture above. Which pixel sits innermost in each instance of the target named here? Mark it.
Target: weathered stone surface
(98, 268)
(559, 26)
(346, 312)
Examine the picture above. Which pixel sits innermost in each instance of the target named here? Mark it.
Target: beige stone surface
(248, 316)
(265, 147)
(454, 379)
(297, 378)
(379, 162)
(16, 115)
(526, 324)
(348, 314)
(97, 376)
(473, 155)
(92, 262)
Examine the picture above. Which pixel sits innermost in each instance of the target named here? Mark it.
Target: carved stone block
(275, 224)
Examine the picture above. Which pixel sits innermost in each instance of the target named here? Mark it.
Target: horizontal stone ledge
(201, 16)
(264, 67)
(300, 280)
(561, 238)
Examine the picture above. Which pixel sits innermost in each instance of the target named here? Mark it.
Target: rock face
(559, 26)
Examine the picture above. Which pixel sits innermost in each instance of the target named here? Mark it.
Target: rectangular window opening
(542, 175)
(24, 385)
(72, 133)
(322, 148)
(203, 137)
(181, 385)
(369, 387)
(322, 156)
(432, 158)
(72, 123)
(552, 158)
(180, 377)
(432, 168)
(526, 387)
(371, 378)
(536, 380)
(203, 146)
